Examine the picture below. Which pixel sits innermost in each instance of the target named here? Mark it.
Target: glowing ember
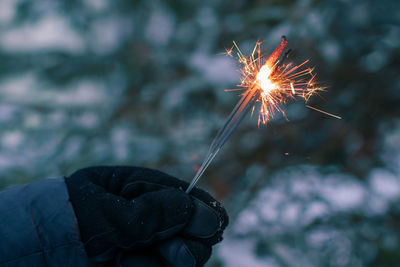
(263, 80)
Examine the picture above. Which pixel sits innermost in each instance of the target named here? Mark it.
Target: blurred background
(142, 83)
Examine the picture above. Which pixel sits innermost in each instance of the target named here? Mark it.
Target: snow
(32, 120)
(80, 93)
(385, 184)
(97, 5)
(314, 211)
(12, 139)
(160, 28)
(360, 14)
(50, 32)
(8, 112)
(217, 69)
(342, 193)
(7, 10)
(247, 220)
(18, 86)
(291, 213)
(239, 253)
(108, 33)
(120, 137)
(88, 120)
(375, 60)
(330, 50)
(206, 17)
(298, 197)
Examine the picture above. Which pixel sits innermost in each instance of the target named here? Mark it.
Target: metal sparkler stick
(234, 119)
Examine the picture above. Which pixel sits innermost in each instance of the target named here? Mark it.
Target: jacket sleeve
(38, 226)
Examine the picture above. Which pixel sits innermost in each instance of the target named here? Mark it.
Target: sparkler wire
(234, 119)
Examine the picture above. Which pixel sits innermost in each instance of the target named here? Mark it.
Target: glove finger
(115, 178)
(140, 258)
(148, 218)
(153, 176)
(205, 222)
(209, 218)
(137, 188)
(107, 177)
(179, 252)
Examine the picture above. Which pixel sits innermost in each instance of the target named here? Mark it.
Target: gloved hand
(135, 215)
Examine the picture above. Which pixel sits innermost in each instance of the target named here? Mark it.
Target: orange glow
(263, 80)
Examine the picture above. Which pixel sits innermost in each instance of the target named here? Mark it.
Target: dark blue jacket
(38, 226)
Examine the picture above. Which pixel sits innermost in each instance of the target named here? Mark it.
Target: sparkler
(268, 81)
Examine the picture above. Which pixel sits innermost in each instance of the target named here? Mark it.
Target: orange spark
(272, 82)
(324, 112)
(228, 51)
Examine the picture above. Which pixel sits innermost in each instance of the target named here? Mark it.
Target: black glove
(176, 252)
(138, 213)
